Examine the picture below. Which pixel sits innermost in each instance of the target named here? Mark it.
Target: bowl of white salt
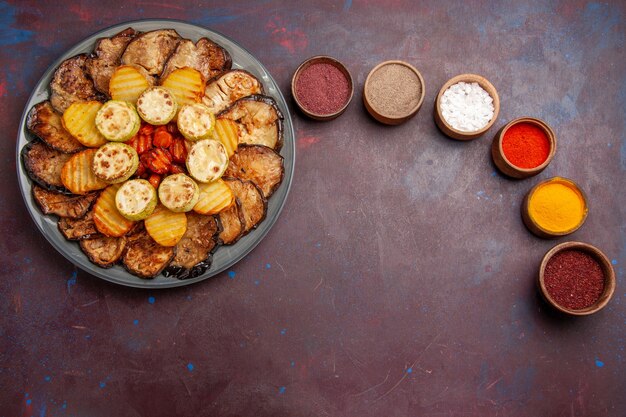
(466, 107)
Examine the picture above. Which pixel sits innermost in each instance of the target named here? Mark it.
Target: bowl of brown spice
(576, 278)
(393, 92)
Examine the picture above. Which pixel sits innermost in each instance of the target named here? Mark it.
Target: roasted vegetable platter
(72, 207)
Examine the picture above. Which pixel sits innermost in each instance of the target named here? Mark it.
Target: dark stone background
(399, 279)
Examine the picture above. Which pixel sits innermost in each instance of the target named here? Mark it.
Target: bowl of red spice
(523, 147)
(322, 87)
(576, 278)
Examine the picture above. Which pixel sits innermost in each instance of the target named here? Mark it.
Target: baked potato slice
(144, 257)
(77, 174)
(151, 50)
(206, 56)
(106, 57)
(70, 206)
(253, 204)
(78, 229)
(46, 124)
(259, 164)
(44, 165)
(259, 119)
(225, 89)
(104, 251)
(71, 84)
(194, 250)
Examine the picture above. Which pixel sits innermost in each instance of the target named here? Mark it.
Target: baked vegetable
(80, 121)
(77, 175)
(157, 106)
(259, 164)
(227, 132)
(178, 192)
(128, 82)
(151, 50)
(109, 221)
(259, 119)
(206, 56)
(77, 229)
(44, 122)
(70, 206)
(207, 160)
(136, 199)
(253, 204)
(44, 165)
(233, 223)
(105, 58)
(193, 251)
(71, 84)
(115, 162)
(166, 227)
(144, 257)
(117, 120)
(195, 122)
(186, 84)
(214, 197)
(229, 87)
(104, 251)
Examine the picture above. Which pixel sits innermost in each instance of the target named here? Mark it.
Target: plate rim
(37, 217)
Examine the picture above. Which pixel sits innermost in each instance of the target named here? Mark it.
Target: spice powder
(394, 90)
(321, 88)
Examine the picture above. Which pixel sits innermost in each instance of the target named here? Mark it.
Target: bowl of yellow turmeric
(555, 207)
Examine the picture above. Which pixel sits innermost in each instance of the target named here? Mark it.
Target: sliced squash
(136, 199)
(207, 160)
(157, 106)
(118, 120)
(196, 122)
(166, 227)
(80, 121)
(115, 162)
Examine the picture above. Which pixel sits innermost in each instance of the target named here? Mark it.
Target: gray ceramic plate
(226, 256)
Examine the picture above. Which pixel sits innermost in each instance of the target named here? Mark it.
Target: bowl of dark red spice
(466, 107)
(576, 278)
(322, 87)
(523, 147)
(393, 92)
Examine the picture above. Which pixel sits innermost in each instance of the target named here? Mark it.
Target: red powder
(322, 88)
(525, 145)
(574, 279)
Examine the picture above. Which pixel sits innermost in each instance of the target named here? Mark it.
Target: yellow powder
(557, 206)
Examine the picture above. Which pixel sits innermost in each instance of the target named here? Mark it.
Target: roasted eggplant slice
(144, 257)
(46, 124)
(104, 251)
(253, 204)
(194, 250)
(206, 56)
(151, 50)
(106, 57)
(259, 164)
(259, 119)
(233, 223)
(78, 229)
(70, 206)
(71, 84)
(44, 164)
(224, 90)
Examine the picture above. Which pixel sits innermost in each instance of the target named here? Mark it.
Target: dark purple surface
(399, 279)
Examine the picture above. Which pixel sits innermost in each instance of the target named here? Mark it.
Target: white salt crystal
(467, 107)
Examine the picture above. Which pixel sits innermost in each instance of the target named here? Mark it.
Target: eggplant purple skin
(241, 224)
(282, 173)
(270, 101)
(31, 174)
(263, 200)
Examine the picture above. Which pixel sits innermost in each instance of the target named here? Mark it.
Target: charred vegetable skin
(44, 164)
(45, 123)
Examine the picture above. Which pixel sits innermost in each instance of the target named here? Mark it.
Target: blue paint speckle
(283, 332)
(614, 261)
(281, 390)
(293, 363)
(136, 322)
(103, 384)
(188, 297)
(410, 370)
(9, 35)
(29, 401)
(257, 282)
(87, 336)
(268, 266)
(599, 363)
(232, 274)
(346, 5)
(151, 300)
(494, 173)
(318, 245)
(42, 411)
(64, 406)
(72, 280)
(47, 378)
(190, 366)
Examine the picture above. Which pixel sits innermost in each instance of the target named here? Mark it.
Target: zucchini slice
(71, 206)
(196, 122)
(144, 257)
(136, 199)
(117, 120)
(259, 164)
(157, 106)
(115, 162)
(166, 227)
(77, 175)
(178, 193)
(104, 251)
(207, 160)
